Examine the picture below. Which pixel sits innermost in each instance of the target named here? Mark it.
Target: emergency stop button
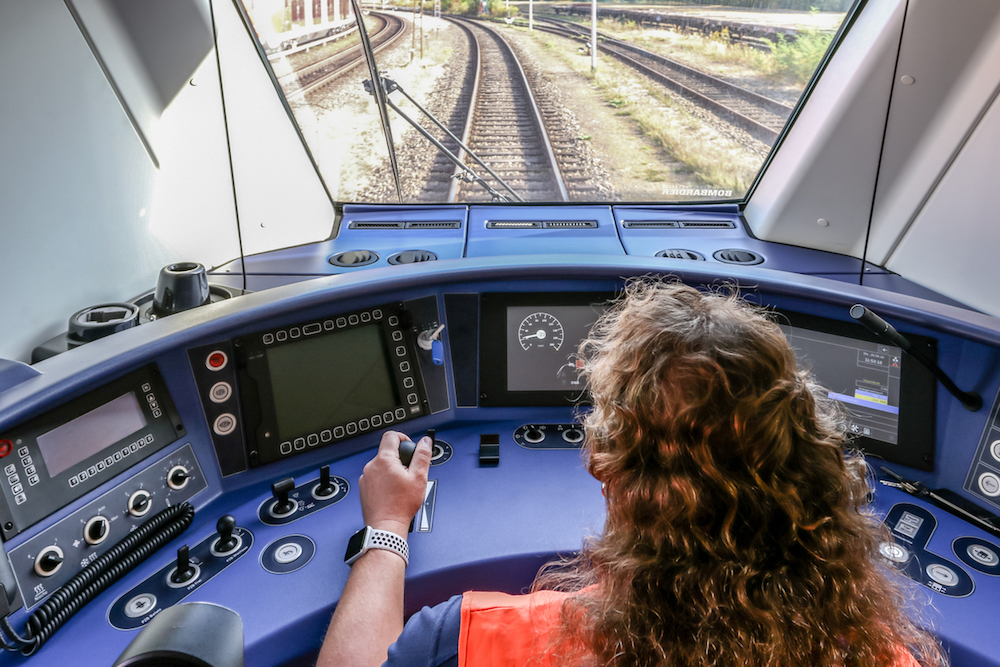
(216, 360)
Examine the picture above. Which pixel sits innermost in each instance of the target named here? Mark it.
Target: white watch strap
(384, 539)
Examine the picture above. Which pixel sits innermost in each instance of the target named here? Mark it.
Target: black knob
(280, 490)
(178, 476)
(325, 488)
(140, 502)
(534, 435)
(49, 561)
(97, 530)
(225, 526)
(184, 571)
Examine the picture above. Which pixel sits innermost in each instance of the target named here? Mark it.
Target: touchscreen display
(864, 377)
(333, 379)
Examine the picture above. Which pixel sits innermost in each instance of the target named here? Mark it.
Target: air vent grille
(353, 258)
(570, 224)
(435, 224)
(678, 253)
(376, 225)
(650, 224)
(412, 257)
(709, 224)
(737, 256)
(513, 224)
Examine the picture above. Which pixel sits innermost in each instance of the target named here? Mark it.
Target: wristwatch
(371, 538)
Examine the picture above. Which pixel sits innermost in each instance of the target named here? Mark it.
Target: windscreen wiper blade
(379, 93)
(467, 174)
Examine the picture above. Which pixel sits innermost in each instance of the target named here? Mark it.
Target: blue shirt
(429, 638)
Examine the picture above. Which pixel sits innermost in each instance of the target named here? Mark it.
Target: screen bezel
(918, 387)
(915, 439)
(256, 391)
(493, 390)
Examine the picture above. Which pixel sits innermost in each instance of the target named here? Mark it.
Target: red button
(217, 360)
(6, 446)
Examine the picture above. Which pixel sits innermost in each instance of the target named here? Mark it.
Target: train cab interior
(227, 271)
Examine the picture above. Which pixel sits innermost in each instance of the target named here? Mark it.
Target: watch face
(355, 543)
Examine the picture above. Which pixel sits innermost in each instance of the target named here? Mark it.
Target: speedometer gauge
(540, 330)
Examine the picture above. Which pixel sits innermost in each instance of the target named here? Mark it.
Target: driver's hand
(391, 493)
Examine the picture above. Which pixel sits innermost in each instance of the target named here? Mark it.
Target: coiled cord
(96, 577)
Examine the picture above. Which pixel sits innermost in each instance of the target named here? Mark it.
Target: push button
(288, 552)
(942, 574)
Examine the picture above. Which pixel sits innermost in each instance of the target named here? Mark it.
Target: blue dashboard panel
(491, 526)
(496, 230)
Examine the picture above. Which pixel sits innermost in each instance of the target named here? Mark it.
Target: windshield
(680, 101)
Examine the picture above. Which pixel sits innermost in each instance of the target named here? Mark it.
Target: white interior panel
(79, 191)
(826, 167)
(952, 245)
(951, 51)
(281, 200)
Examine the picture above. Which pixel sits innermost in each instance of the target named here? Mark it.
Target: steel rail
(536, 113)
(765, 132)
(391, 38)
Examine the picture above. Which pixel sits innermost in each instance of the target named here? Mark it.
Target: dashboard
(261, 411)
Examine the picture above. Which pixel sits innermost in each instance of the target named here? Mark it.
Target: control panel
(48, 560)
(983, 479)
(549, 436)
(52, 460)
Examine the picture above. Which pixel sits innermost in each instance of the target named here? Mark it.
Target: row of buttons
(338, 432)
(14, 480)
(329, 325)
(110, 461)
(151, 399)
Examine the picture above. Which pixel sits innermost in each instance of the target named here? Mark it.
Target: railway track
(505, 127)
(313, 76)
(760, 116)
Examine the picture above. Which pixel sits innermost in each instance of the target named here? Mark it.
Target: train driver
(737, 529)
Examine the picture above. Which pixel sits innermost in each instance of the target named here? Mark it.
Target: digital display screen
(862, 376)
(81, 438)
(332, 379)
(542, 346)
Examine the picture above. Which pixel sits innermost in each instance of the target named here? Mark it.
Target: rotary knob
(178, 477)
(96, 530)
(48, 561)
(139, 503)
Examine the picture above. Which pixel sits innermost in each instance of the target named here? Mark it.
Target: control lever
(280, 490)
(225, 525)
(406, 449)
(184, 571)
(325, 488)
(430, 339)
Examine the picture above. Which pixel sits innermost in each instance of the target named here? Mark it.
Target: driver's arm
(369, 616)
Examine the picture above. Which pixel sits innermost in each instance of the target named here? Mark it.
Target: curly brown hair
(737, 531)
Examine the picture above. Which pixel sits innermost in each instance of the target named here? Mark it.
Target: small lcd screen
(331, 379)
(81, 438)
(542, 344)
(863, 377)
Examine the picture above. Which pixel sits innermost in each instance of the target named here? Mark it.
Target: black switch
(325, 489)
(184, 572)
(489, 449)
(280, 489)
(225, 525)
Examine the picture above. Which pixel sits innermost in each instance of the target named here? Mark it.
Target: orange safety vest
(501, 630)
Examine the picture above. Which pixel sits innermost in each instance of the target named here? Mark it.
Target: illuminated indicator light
(217, 360)
(6, 447)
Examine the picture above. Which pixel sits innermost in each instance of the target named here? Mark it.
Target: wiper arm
(379, 93)
(466, 172)
(392, 86)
